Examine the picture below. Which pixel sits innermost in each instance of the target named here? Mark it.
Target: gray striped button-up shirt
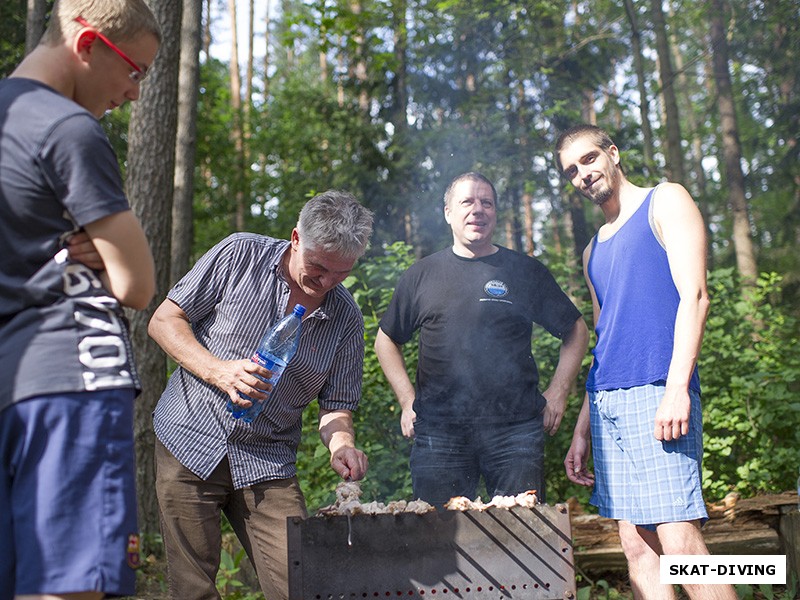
(234, 293)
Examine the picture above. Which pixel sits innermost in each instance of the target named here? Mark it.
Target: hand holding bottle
(276, 349)
(243, 381)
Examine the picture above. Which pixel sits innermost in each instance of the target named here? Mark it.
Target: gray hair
(119, 20)
(334, 221)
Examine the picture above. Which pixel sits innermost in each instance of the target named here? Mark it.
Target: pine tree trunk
(34, 23)
(250, 65)
(207, 30)
(644, 104)
(150, 177)
(182, 207)
(361, 64)
(237, 130)
(401, 222)
(672, 120)
(731, 148)
(698, 190)
(267, 53)
(580, 231)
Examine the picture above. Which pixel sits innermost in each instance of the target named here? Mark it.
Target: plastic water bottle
(276, 349)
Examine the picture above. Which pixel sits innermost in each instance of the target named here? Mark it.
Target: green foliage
(216, 169)
(228, 584)
(379, 416)
(600, 589)
(767, 591)
(750, 374)
(377, 420)
(115, 124)
(12, 35)
(326, 145)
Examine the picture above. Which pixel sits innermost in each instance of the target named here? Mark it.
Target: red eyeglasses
(138, 74)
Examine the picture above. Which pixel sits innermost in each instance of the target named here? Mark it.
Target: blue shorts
(638, 478)
(67, 495)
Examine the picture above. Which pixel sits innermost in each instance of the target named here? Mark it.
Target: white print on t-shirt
(101, 344)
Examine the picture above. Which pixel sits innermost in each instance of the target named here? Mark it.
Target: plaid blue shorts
(638, 478)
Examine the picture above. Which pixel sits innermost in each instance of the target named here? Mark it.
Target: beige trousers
(190, 511)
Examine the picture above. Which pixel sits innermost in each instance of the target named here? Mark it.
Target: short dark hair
(469, 176)
(598, 136)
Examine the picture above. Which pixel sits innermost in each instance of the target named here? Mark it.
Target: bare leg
(643, 551)
(686, 538)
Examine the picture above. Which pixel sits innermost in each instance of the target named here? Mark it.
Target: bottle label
(273, 363)
(268, 361)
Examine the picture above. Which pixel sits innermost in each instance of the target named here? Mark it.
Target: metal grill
(517, 553)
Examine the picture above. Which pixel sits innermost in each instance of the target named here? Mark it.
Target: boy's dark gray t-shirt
(60, 329)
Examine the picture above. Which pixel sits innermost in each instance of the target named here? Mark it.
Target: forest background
(392, 98)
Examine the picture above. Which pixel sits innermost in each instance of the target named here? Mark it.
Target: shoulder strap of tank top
(651, 196)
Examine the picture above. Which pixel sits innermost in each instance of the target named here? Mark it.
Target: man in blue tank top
(642, 418)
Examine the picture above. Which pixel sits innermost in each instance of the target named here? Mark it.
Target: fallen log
(767, 524)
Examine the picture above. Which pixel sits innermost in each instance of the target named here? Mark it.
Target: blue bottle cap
(299, 310)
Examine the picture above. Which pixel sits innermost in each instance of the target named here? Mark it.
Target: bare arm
(577, 457)
(681, 228)
(171, 329)
(573, 349)
(337, 433)
(579, 450)
(129, 270)
(390, 356)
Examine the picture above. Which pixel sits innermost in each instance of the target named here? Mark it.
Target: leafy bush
(377, 420)
(750, 374)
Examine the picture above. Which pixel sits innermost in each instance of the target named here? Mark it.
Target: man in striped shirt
(211, 321)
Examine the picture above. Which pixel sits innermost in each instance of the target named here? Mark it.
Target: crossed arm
(116, 247)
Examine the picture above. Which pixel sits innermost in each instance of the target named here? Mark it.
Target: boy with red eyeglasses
(72, 255)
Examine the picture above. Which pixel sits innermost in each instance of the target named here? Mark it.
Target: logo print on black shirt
(495, 288)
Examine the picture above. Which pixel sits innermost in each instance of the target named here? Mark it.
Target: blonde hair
(119, 20)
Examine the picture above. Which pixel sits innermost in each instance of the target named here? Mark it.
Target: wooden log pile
(768, 524)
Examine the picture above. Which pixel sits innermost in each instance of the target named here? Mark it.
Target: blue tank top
(639, 301)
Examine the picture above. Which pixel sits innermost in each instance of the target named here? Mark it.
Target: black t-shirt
(475, 321)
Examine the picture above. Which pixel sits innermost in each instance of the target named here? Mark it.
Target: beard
(600, 197)
(604, 190)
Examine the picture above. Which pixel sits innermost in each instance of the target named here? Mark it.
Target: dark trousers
(190, 521)
(448, 460)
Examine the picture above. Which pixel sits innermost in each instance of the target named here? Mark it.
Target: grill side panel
(516, 553)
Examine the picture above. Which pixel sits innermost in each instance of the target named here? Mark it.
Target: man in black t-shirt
(476, 409)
